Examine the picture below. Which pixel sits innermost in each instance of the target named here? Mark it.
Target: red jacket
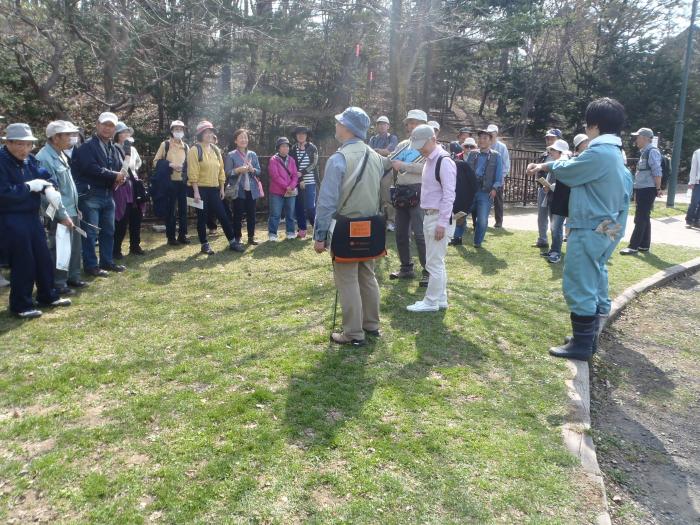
(281, 179)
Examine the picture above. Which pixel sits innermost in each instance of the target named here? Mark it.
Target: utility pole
(678, 132)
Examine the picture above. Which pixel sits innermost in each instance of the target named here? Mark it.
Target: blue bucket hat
(554, 132)
(356, 120)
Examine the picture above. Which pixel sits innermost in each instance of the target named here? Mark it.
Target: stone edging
(576, 430)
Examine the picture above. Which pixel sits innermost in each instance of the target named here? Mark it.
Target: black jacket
(93, 168)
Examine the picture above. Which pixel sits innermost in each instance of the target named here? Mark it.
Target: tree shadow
(280, 249)
(162, 273)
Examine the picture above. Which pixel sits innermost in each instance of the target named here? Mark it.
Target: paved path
(667, 230)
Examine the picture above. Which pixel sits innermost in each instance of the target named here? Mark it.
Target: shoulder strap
(437, 169)
(167, 148)
(365, 158)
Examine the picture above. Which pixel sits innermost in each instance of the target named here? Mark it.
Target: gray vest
(486, 182)
(365, 199)
(643, 177)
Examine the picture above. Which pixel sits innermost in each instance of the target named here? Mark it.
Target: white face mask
(179, 135)
(73, 141)
(129, 139)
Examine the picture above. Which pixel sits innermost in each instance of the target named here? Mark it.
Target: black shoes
(236, 246)
(173, 242)
(117, 268)
(64, 290)
(184, 240)
(252, 241)
(402, 274)
(207, 249)
(96, 272)
(455, 241)
(541, 244)
(77, 284)
(136, 250)
(425, 276)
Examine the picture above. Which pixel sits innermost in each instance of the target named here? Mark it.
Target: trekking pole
(335, 310)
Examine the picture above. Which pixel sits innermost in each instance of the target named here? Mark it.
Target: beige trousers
(385, 186)
(359, 297)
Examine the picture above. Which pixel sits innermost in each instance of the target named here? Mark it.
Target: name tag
(360, 229)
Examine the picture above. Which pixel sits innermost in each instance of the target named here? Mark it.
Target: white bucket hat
(19, 131)
(417, 114)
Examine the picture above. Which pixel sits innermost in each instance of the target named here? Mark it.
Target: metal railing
(519, 188)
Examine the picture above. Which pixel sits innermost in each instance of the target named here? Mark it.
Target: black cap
(280, 141)
(465, 130)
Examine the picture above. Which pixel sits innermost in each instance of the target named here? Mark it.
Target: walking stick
(335, 310)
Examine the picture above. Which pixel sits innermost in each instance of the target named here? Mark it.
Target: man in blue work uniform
(21, 186)
(601, 187)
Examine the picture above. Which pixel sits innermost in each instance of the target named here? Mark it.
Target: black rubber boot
(581, 345)
(600, 320)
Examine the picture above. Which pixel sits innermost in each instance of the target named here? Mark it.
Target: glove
(37, 185)
(53, 196)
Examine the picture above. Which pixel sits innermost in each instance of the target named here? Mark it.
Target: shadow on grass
(322, 398)
(484, 259)
(283, 248)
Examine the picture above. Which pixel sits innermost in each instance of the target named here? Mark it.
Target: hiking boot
(173, 242)
(252, 241)
(402, 274)
(236, 246)
(207, 249)
(425, 276)
(342, 339)
(541, 244)
(184, 240)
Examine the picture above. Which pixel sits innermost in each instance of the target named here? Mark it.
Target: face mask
(130, 140)
(179, 135)
(73, 141)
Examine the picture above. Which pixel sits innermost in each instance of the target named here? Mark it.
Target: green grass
(661, 211)
(196, 390)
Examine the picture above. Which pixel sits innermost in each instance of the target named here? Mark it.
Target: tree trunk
(398, 91)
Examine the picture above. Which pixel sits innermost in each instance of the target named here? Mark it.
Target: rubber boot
(581, 345)
(600, 320)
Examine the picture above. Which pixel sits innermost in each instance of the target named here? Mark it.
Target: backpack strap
(167, 147)
(358, 179)
(437, 169)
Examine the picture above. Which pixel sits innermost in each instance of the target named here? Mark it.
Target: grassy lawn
(195, 390)
(660, 210)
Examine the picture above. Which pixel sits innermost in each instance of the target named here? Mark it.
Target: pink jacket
(280, 180)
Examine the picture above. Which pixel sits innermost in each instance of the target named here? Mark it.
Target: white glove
(37, 185)
(53, 196)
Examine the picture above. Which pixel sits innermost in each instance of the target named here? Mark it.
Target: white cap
(416, 114)
(469, 142)
(434, 124)
(580, 138)
(384, 119)
(560, 145)
(177, 123)
(108, 116)
(492, 128)
(421, 135)
(60, 126)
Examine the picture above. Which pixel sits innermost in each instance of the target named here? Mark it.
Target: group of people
(87, 196)
(593, 189)
(418, 187)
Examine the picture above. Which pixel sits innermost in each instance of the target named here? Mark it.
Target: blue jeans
(693, 214)
(483, 202)
(277, 203)
(557, 225)
(305, 206)
(97, 208)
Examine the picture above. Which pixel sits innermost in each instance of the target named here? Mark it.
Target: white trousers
(435, 252)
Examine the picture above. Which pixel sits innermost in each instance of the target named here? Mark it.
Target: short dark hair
(606, 113)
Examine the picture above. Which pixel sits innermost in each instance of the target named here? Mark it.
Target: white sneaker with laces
(272, 237)
(420, 306)
(63, 301)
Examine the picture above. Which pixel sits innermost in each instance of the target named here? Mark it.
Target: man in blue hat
(601, 186)
(22, 183)
(356, 283)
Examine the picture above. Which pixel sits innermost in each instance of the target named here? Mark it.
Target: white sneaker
(3, 282)
(272, 237)
(291, 235)
(391, 226)
(443, 306)
(420, 306)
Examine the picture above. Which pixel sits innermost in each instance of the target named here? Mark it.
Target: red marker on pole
(357, 50)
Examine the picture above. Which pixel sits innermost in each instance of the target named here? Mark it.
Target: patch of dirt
(325, 499)
(37, 448)
(30, 507)
(645, 407)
